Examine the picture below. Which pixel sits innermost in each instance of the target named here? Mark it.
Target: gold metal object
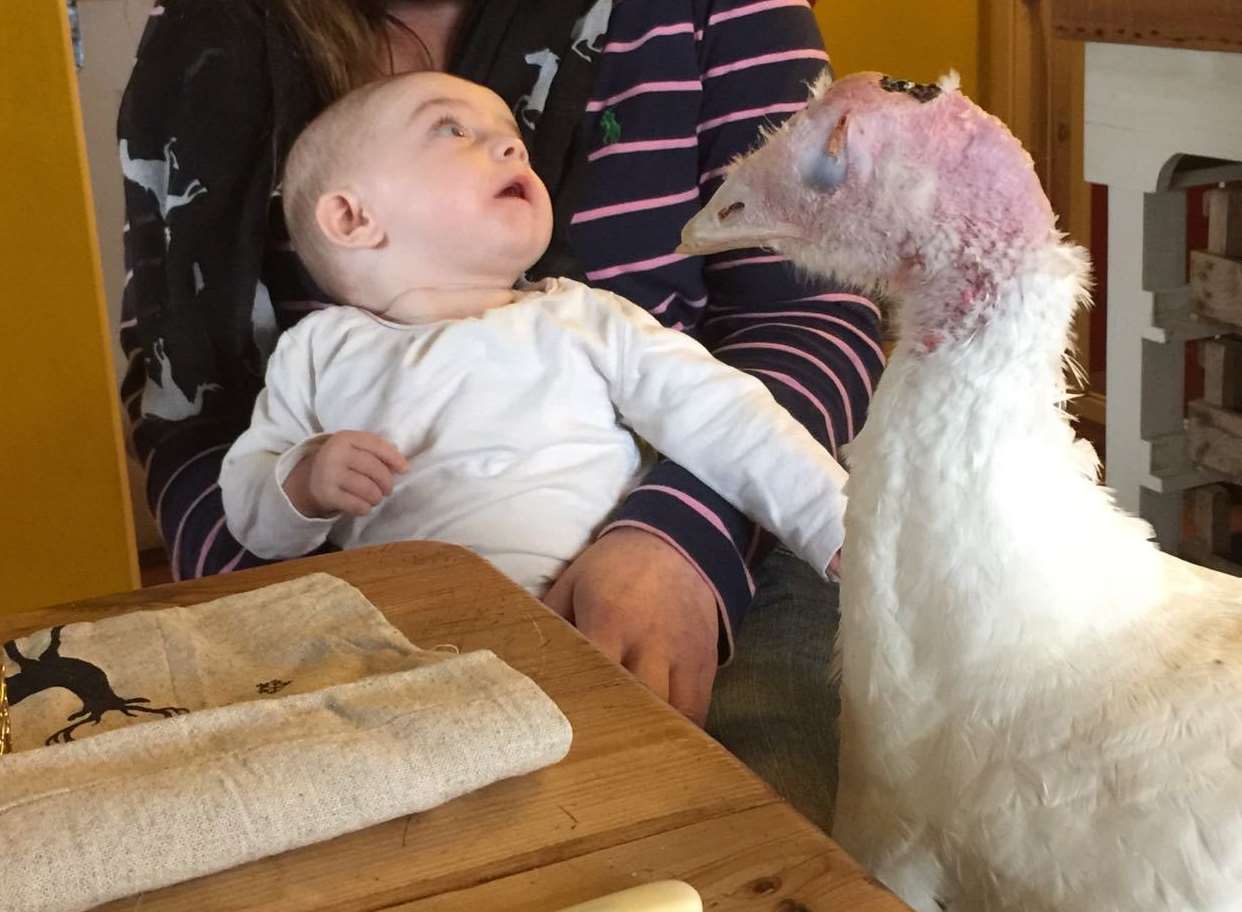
(6, 744)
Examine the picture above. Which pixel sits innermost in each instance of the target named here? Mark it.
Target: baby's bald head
(326, 154)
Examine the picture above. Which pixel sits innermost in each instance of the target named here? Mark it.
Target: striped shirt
(681, 88)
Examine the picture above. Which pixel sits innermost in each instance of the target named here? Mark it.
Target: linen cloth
(368, 728)
(290, 638)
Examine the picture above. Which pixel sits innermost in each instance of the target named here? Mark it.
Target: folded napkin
(147, 805)
(79, 680)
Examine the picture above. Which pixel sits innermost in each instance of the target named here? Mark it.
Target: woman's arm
(698, 78)
(815, 347)
(722, 424)
(195, 141)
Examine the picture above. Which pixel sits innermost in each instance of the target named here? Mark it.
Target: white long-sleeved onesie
(517, 428)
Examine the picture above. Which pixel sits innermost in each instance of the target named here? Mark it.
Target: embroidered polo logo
(611, 127)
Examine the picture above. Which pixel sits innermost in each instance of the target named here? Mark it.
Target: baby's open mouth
(516, 190)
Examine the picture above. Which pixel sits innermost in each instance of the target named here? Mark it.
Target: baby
(447, 400)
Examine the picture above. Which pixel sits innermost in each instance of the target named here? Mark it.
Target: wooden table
(642, 796)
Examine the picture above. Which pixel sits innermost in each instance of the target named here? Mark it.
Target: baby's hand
(351, 472)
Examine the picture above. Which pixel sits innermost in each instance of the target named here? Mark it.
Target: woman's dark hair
(346, 40)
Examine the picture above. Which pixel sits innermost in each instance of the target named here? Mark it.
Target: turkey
(1040, 710)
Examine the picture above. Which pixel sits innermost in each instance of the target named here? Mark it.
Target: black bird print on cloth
(87, 681)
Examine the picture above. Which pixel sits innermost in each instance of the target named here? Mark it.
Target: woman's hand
(645, 607)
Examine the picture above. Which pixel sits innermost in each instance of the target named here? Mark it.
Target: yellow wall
(66, 530)
(908, 39)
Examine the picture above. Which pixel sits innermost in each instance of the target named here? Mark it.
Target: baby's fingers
(359, 486)
(381, 449)
(370, 466)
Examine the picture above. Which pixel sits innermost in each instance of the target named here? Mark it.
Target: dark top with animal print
(678, 88)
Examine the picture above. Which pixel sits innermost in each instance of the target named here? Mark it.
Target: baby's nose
(511, 147)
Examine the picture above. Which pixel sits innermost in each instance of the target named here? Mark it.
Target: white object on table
(661, 896)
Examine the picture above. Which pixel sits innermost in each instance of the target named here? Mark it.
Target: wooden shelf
(1206, 25)
(1088, 406)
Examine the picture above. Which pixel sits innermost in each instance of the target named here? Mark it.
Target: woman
(632, 109)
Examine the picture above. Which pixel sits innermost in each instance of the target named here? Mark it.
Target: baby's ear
(345, 222)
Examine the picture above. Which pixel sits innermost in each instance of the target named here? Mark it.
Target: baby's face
(450, 182)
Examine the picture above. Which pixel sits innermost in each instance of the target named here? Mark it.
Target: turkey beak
(731, 220)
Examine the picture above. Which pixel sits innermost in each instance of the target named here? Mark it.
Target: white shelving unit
(1157, 121)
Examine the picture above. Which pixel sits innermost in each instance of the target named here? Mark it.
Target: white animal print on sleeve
(591, 28)
(531, 105)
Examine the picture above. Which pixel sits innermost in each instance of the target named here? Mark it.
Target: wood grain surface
(1204, 25)
(643, 795)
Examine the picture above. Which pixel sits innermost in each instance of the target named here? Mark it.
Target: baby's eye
(447, 126)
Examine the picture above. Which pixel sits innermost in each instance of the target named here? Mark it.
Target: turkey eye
(730, 210)
(827, 167)
(825, 172)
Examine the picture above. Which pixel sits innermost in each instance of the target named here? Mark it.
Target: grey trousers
(775, 705)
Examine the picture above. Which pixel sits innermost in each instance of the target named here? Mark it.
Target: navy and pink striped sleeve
(815, 346)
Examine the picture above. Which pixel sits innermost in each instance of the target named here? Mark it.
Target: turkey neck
(976, 534)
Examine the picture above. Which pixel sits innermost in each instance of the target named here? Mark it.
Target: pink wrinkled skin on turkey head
(976, 207)
(990, 203)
